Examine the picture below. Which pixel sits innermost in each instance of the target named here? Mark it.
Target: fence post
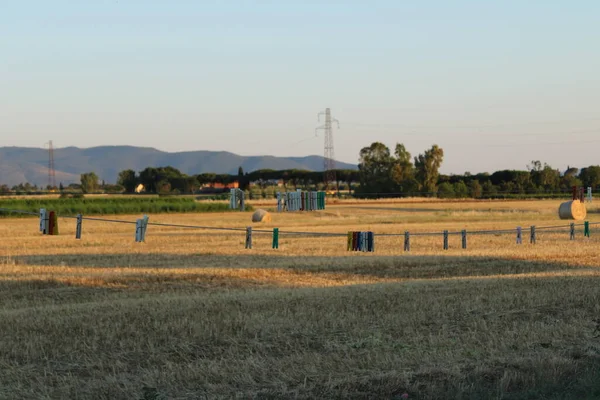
(275, 238)
(572, 233)
(519, 235)
(138, 230)
(532, 237)
(52, 223)
(249, 237)
(232, 199)
(406, 241)
(278, 201)
(445, 240)
(464, 238)
(78, 228)
(286, 201)
(144, 227)
(586, 229)
(43, 220)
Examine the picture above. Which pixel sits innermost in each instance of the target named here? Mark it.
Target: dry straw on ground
(192, 314)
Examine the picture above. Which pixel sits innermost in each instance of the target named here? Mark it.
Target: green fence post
(275, 238)
(586, 229)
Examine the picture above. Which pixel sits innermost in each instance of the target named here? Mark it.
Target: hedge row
(112, 206)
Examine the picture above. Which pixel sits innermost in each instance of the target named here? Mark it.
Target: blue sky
(494, 83)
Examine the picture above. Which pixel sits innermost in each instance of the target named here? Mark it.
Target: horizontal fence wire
(546, 229)
(19, 211)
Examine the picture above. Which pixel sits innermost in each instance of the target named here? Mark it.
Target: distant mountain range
(23, 164)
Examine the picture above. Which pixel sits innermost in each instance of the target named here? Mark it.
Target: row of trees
(380, 171)
(384, 172)
(169, 179)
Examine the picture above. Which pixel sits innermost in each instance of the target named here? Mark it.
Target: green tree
(590, 176)
(489, 189)
(475, 189)
(570, 179)
(89, 182)
(128, 180)
(445, 190)
(427, 167)
(461, 190)
(163, 186)
(544, 176)
(149, 178)
(571, 171)
(549, 178)
(403, 173)
(375, 169)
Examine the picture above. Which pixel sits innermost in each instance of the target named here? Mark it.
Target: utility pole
(51, 170)
(329, 155)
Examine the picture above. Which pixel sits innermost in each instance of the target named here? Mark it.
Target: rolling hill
(23, 164)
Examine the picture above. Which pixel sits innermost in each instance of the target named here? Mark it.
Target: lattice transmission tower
(329, 154)
(51, 170)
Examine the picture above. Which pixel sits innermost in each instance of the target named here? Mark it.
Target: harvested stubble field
(192, 314)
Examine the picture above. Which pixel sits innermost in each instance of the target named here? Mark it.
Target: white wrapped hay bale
(573, 209)
(261, 216)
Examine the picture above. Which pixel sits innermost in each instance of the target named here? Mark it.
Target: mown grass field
(192, 314)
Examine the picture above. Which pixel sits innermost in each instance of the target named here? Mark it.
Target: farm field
(192, 314)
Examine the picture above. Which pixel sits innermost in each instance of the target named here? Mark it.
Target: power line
(329, 155)
(51, 170)
(450, 126)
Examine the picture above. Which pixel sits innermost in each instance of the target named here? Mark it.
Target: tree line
(171, 180)
(380, 173)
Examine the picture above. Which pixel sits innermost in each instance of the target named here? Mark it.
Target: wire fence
(519, 231)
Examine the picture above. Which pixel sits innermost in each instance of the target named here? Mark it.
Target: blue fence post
(572, 233)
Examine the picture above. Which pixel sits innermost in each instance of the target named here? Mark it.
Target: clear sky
(494, 83)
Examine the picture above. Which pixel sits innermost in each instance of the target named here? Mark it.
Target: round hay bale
(573, 209)
(261, 216)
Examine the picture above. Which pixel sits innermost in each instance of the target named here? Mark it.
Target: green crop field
(117, 205)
